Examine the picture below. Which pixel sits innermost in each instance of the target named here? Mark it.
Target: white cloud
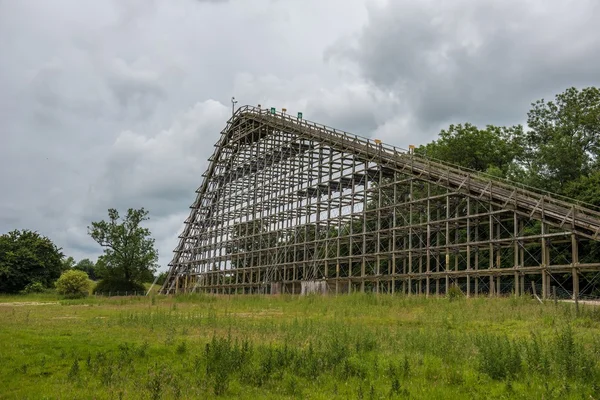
(119, 103)
(160, 165)
(161, 171)
(478, 61)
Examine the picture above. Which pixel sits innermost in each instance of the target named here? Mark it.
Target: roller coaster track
(526, 202)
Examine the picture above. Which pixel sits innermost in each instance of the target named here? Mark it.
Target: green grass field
(349, 347)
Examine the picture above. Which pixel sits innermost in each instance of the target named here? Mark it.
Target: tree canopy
(492, 148)
(68, 263)
(27, 257)
(86, 265)
(129, 254)
(585, 189)
(559, 150)
(563, 143)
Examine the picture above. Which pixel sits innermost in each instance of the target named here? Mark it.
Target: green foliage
(570, 358)
(318, 347)
(109, 285)
(100, 269)
(27, 257)
(34, 287)
(585, 189)
(86, 265)
(503, 358)
(250, 236)
(162, 277)
(478, 149)
(559, 152)
(129, 253)
(182, 348)
(454, 293)
(563, 143)
(499, 357)
(68, 263)
(74, 371)
(73, 284)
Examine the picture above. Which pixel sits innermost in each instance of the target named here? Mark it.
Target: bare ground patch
(28, 303)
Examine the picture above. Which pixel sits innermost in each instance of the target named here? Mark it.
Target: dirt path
(28, 303)
(586, 302)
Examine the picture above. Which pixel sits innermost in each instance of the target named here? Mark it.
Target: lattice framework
(286, 201)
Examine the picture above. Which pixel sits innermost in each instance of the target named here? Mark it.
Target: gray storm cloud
(479, 61)
(119, 103)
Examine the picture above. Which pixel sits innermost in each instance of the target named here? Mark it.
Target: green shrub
(499, 356)
(73, 284)
(34, 287)
(570, 357)
(117, 286)
(454, 293)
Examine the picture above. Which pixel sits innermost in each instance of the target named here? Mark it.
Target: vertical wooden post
(498, 287)
(447, 265)
(420, 283)
(491, 255)
(337, 252)
(428, 242)
(575, 272)
(476, 261)
(364, 232)
(393, 247)
(410, 237)
(404, 271)
(437, 246)
(545, 282)
(468, 247)
(522, 258)
(544, 264)
(516, 251)
(498, 261)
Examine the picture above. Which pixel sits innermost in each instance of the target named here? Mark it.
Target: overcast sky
(117, 103)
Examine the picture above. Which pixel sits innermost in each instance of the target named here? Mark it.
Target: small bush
(34, 287)
(74, 371)
(118, 286)
(73, 284)
(182, 348)
(571, 358)
(454, 293)
(499, 357)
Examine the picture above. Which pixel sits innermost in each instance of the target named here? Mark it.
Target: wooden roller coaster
(292, 206)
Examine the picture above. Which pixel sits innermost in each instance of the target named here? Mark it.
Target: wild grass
(352, 346)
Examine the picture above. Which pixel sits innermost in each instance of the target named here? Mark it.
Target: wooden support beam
(285, 200)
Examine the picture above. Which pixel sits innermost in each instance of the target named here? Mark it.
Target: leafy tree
(493, 148)
(73, 284)
(118, 287)
(27, 257)
(162, 277)
(129, 254)
(68, 263)
(563, 143)
(100, 269)
(86, 265)
(585, 189)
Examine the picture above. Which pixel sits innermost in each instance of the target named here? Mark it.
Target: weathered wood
(285, 201)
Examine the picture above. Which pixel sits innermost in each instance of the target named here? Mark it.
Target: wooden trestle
(287, 201)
